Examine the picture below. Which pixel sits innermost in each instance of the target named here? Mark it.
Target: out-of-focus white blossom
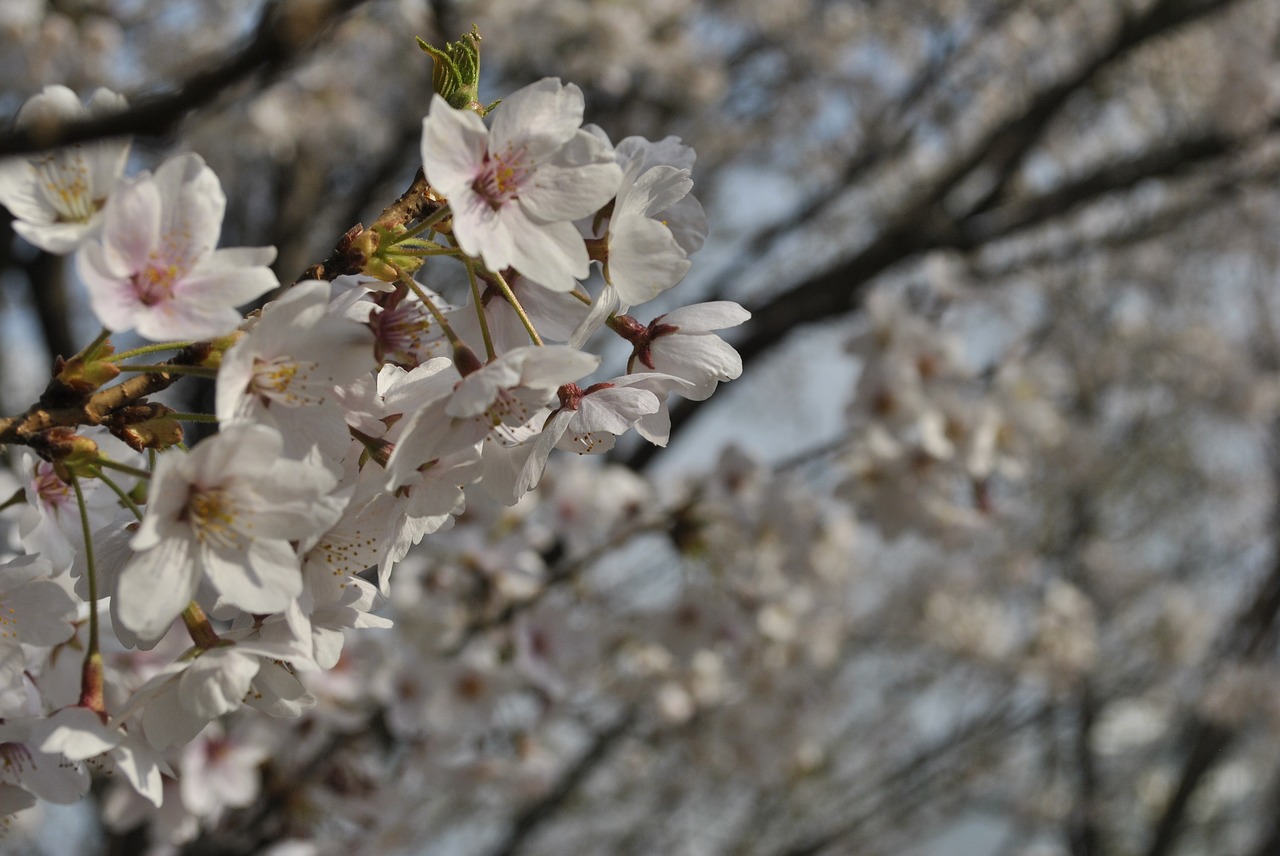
(57, 198)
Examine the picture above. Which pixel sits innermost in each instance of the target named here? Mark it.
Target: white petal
(539, 118)
(77, 733)
(156, 586)
(216, 683)
(644, 259)
(454, 144)
(702, 317)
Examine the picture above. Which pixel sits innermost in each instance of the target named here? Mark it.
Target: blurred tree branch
(924, 223)
(283, 32)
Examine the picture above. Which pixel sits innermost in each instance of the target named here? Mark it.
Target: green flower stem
(198, 626)
(168, 368)
(489, 350)
(119, 491)
(91, 350)
(123, 468)
(423, 252)
(441, 213)
(515, 304)
(92, 572)
(151, 349)
(408, 282)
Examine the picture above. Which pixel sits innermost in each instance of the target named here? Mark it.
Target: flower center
(402, 330)
(53, 492)
(212, 516)
(15, 757)
(154, 283)
(501, 177)
(508, 408)
(64, 180)
(283, 379)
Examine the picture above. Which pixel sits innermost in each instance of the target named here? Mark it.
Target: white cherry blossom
(681, 343)
(656, 224)
(57, 197)
(505, 393)
(227, 512)
(284, 372)
(79, 734)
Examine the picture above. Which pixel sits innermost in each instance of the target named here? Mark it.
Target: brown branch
(282, 32)
(888, 133)
(528, 821)
(909, 783)
(1161, 17)
(59, 410)
(1250, 637)
(1165, 161)
(96, 409)
(1083, 834)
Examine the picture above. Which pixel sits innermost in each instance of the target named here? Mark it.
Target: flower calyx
(146, 425)
(83, 373)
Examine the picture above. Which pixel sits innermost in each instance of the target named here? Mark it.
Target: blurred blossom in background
(978, 556)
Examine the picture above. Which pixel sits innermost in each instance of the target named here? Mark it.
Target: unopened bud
(70, 453)
(83, 376)
(209, 354)
(146, 426)
(456, 77)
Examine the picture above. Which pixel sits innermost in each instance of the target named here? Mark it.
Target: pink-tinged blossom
(50, 521)
(681, 343)
(156, 269)
(515, 189)
(57, 198)
(220, 771)
(284, 372)
(227, 512)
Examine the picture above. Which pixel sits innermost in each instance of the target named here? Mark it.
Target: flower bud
(70, 452)
(83, 376)
(146, 426)
(456, 77)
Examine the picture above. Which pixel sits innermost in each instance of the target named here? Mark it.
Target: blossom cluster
(356, 413)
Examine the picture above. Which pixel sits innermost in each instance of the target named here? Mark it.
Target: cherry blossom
(226, 512)
(504, 394)
(655, 224)
(284, 372)
(156, 268)
(57, 198)
(355, 422)
(515, 188)
(681, 343)
(80, 734)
